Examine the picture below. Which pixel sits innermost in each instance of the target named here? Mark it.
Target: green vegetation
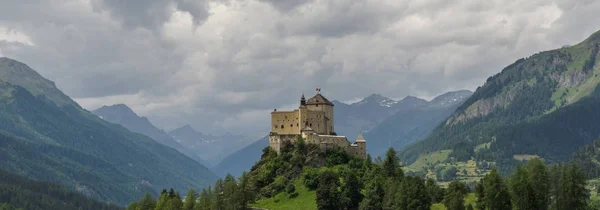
(67, 145)
(544, 105)
(17, 192)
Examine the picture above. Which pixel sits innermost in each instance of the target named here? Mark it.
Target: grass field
(429, 159)
(305, 200)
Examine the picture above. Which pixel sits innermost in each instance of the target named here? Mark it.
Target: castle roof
(318, 99)
(360, 138)
(306, 128)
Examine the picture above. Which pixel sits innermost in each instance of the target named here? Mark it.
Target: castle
(313, 121)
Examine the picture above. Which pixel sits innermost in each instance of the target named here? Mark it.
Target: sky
(223, 65)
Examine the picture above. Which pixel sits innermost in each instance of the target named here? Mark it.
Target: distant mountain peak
(378, 99)
(451, 98)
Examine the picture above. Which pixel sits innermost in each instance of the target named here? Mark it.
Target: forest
(340, 181)
(17, 192)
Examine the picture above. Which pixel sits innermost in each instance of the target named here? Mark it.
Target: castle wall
(285, 122)
(316, 121)
(276, 141)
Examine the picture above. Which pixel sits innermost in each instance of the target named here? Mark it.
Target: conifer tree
(496, 193)
(413, 195)
(391, 164)
(374, 194)
(190, 200)
(351, 191)
(522, 196)
(204, 202)
(480, 194)
(455, 196)
(572, 193)
(539, 180)
(147, 203)
(163, 200)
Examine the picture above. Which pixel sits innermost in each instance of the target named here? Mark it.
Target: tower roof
(360, 138)
(318, 99)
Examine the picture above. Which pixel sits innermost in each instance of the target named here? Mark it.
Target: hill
(544, 105)
(123, 115)
(413, 122)
(44, 138)
(22, 193)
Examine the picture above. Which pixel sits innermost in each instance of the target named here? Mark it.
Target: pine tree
(455, 196)
(190, 200)
(539, 180)
(351, 191)
(147, 203)
(480, 194)
(572, 193)
(373, 196)
(162, 200)
(522, 196)
(328, 196)
(470, 207)
(217, 198)
(496, 193)
(413, 194)
(204, 202)
(391, 164)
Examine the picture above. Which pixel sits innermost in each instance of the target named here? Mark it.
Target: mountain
(123, 115)
(243, 159)
(18, 192)
(351, 119)
(209, 147)
(413, 122)
(544, 105)
(46, 136)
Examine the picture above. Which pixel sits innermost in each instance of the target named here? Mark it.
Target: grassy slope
(470, 199)
(305, 199)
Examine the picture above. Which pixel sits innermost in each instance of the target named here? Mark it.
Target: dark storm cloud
(224, 64)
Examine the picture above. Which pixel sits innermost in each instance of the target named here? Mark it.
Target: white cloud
(225, 64)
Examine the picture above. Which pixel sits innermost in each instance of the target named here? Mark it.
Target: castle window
(286, 117)
(291, 125)
(274, 126)
(311, 125)
(297, 124)
(281, 126)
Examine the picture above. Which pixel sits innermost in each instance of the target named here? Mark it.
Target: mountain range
(544, 105)
(45, 135)
(385, 122)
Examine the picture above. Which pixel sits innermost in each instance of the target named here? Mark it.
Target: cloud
(222, 65)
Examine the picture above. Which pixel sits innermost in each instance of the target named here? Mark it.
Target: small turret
(302, 100)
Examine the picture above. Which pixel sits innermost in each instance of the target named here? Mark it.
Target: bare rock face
(572, 79)
(484, 107)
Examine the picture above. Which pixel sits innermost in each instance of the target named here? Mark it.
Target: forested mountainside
(544, 105)
(44, 139)
(123, 115)
(18, 192)
(413, 123)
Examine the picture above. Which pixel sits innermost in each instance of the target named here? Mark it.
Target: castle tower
(362, 145)
(323, 122)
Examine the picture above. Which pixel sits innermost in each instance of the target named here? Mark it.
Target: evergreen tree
(480, 203)
(204, 203)
(496, 196)
(434, 190)
(470, 207)
(572, 193)
(351, 191)
(131, 206)
(328, 196)
(391, 164)
(539, 179)
(413, 195)
(455, 196)
(147, 203)
(373, 196)
(522, 196)
(190, 200)
(244, 192)
(162, 200)
(217, 198)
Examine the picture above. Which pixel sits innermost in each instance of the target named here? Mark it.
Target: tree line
(344, 182)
